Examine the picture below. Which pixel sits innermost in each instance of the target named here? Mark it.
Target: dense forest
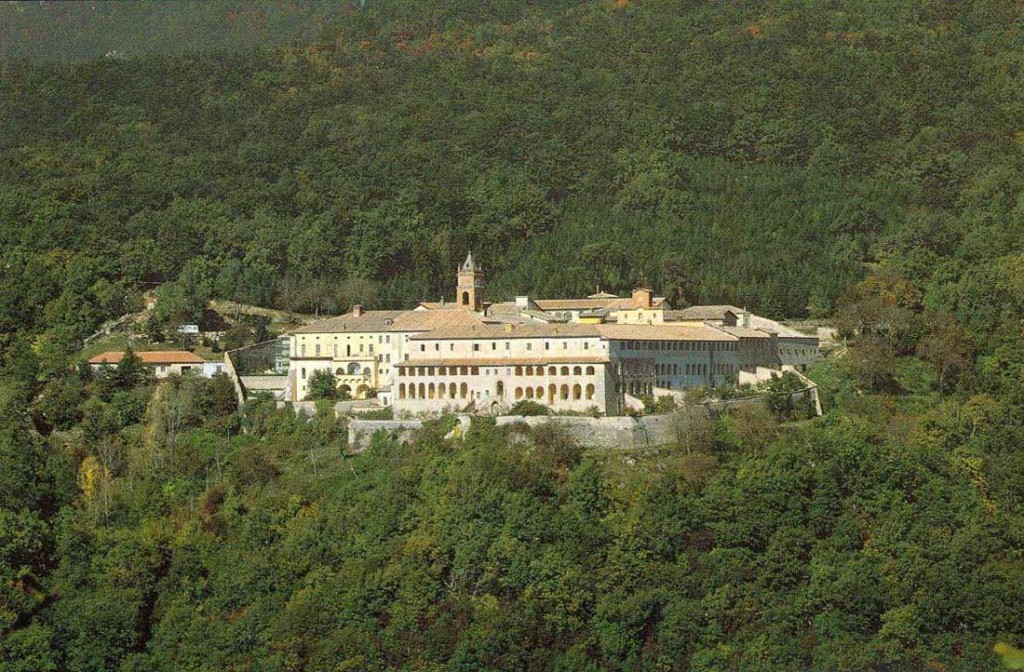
(851, 160)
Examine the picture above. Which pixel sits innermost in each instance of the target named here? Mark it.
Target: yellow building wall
(640, 316)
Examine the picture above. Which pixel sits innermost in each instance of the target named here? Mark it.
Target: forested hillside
(751, 153)
(852, 159)
(75, 31)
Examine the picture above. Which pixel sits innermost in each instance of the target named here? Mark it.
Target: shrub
(527, 407)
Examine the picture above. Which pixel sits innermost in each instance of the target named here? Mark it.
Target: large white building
(580, 355)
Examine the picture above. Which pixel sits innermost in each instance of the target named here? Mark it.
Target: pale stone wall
(357, 359)
(495, 389)
(693, 364)
(640, 316)
(361, 432)
(236, 381)
(611, 432)
(800, 353)
(604, 432)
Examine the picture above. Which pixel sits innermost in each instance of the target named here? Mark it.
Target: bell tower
(469, 295)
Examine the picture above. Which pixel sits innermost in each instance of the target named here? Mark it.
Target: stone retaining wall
(361, 432)
(603, 432)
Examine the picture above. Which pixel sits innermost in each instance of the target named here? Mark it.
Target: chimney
(357, 310)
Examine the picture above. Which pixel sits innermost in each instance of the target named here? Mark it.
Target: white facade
(574, 355)
(490, 370)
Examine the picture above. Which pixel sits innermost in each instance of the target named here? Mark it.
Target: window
(586, 345)
(494, 346)
(476, 347)
(529, 346)
(423, 348)
(590, 370)
(565, 345)
(335, 349)
(303, 349)
(547, 346)
(360, 347)
(387, 339)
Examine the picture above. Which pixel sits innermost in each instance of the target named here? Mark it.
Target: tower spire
(469, 293)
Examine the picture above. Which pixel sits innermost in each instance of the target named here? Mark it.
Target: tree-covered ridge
(747, 153)
(76, 31)
(863, 541)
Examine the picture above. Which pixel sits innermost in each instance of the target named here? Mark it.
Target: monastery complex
(583, 355)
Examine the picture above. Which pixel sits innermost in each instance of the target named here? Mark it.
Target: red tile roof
(151, 357)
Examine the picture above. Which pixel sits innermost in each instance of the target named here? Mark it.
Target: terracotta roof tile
(391, 321)
(716, 312)
(662, 332)
(370, 320)
(151, 357)
(509, 330)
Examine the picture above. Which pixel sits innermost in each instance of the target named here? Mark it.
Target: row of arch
(555, 393)
(432, 391)
(475, 371)
(441, 371)
(553, 371)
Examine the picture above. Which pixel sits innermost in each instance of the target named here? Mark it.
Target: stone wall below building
(361, 432)
(604, 432)
(623, 432)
